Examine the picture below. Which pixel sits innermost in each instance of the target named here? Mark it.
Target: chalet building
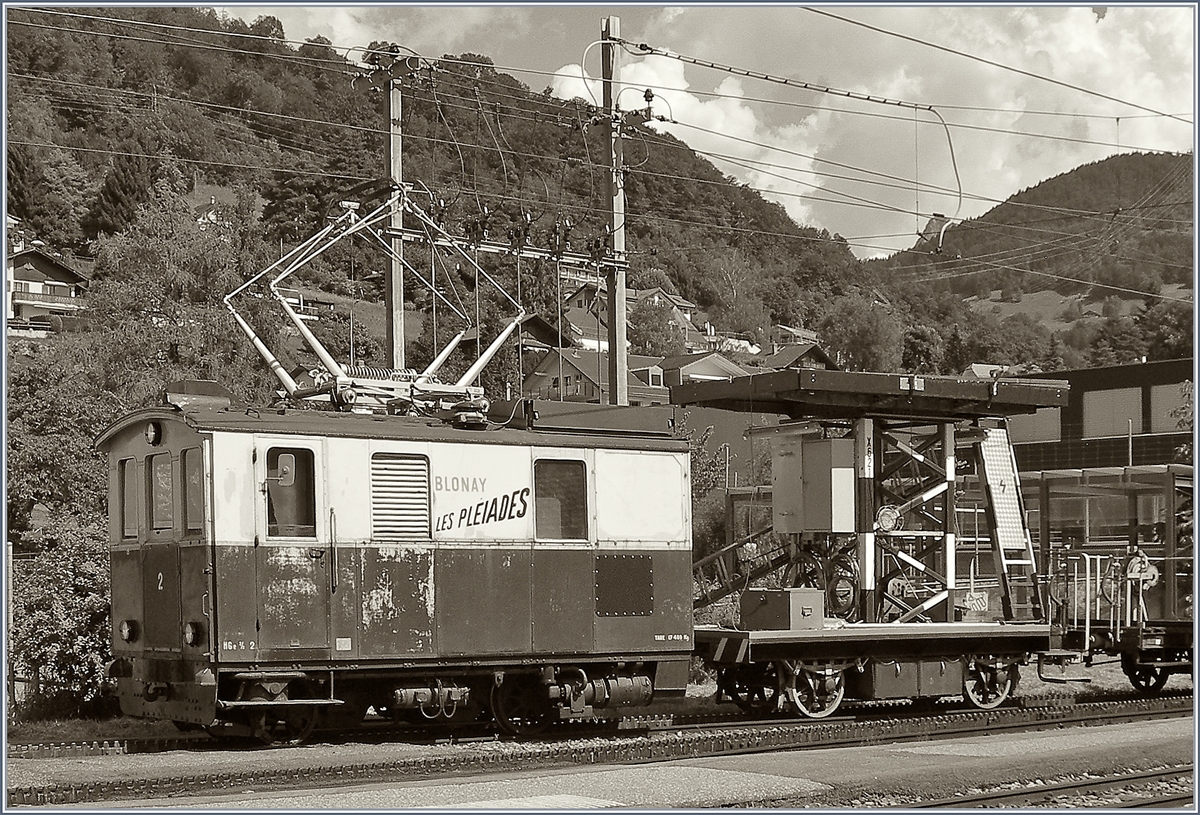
(784, 335)
(586, 311)
(207, 214)
(802, 355)
(581, 375)
(1117, 416)
(40, 290)
(702, 367)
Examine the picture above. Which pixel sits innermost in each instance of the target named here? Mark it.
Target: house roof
(46, 264)
(984, 370)
(801, 334)
(633, 295)
(539, 329)
(788, 356)
(687, 360)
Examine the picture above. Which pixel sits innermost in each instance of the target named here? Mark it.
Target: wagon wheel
(1148, 679)
(987, 684)
(520, 707)
(815, 693)
(753, 688)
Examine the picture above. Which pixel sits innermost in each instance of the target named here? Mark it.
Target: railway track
(643, 741)
(1171, 787)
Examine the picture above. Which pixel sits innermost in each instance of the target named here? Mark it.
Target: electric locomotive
(274, 569)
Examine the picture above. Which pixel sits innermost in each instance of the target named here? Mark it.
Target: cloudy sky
(1033, 91)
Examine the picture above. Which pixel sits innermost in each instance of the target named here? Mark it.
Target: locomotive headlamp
(153, 432)
(128, 630)
(192, 633)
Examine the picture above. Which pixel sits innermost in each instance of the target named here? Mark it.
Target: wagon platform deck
(840, 640)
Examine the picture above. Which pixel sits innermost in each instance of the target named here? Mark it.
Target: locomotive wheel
(1145, 678)
(753, 688)
(520, 706)
(986, 685)
(288, 728)
(816, 694)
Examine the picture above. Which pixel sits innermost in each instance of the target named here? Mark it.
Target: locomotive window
(560, 500)
(159, 491)
(128, 481)
(193, 484)
(291, 493)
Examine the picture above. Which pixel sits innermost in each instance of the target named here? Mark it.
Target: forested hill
(120, 114)
(105, 103)
(1119, 226)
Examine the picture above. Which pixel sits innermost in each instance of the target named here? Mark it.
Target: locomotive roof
(374, 426)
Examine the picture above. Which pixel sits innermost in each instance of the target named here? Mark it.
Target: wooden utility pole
(394, 291)
(618, 363)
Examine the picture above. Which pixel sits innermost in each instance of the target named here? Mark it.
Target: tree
(1166, 327)
(652, 332)
(923, 350)
(334, 331)
(1118, 341)
(61, 624)
(1184, 416)
(862, 334)
(127, 185)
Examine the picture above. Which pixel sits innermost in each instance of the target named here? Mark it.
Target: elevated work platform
(816, 393)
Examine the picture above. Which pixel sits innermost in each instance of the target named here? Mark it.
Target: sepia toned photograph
(580, 406)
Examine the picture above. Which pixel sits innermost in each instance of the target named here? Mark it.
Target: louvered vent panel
(399, 497)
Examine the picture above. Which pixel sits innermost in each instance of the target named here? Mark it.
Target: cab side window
(127, 478)
(193, 485)
(560, 500)
(291, 493)
(160, 491)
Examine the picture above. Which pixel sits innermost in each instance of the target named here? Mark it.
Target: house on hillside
(207, 214)
(803, 355)
(706, 366)
(782, 335)
(40, 290)
(581, 375)
(586, 310)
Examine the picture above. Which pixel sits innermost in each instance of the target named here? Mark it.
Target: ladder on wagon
(1012, 546)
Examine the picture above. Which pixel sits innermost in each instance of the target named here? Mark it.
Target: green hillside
(112, 110)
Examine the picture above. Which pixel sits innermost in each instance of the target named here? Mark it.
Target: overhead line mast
(618, 362)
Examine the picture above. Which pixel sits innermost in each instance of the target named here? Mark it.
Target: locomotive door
(292, 558)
